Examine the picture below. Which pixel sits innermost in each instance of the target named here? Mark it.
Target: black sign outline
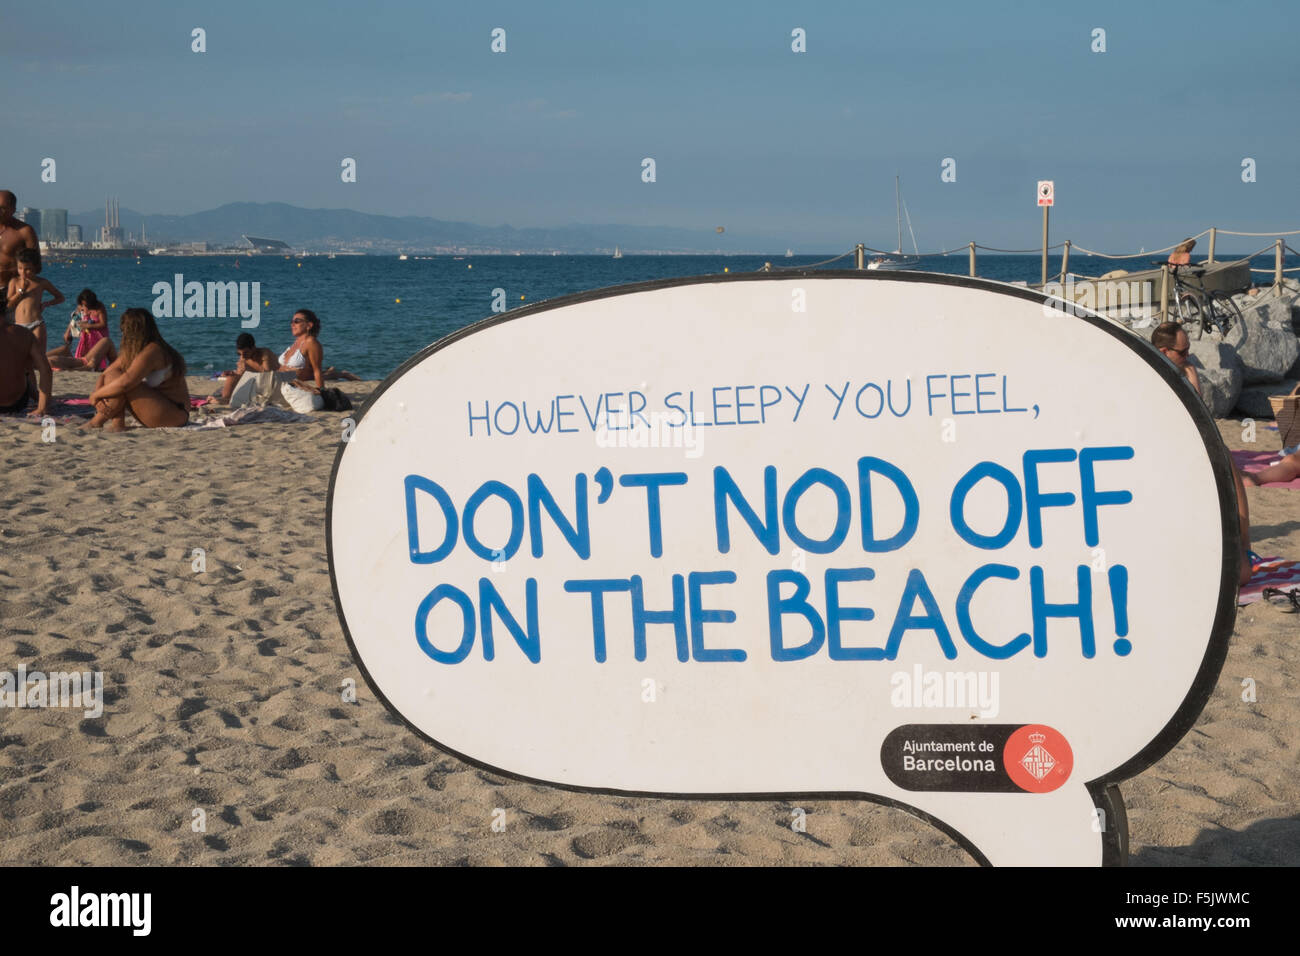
(1104, 789)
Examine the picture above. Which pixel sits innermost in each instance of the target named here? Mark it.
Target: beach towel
(258, 388)
(1269, 573)
(1253, 461)
(251, 414)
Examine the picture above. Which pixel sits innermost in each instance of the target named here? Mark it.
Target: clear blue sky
(1145, 141)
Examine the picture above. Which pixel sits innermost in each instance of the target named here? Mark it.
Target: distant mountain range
(332, 229)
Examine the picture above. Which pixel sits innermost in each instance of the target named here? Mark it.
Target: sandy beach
(224, 694)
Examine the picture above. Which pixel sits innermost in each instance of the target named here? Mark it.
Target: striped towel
(1269, 573)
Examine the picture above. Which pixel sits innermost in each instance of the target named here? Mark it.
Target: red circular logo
(1037, 758)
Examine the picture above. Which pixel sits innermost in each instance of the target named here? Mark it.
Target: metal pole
(857, 256)
(1045, 209)
(1277, 264)
(972, 260)
(1214, 232)
(1164, 293)
(1065, 260)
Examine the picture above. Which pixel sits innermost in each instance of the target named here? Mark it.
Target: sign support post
(1046, 198)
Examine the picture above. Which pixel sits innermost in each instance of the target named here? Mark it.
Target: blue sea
(377, 311)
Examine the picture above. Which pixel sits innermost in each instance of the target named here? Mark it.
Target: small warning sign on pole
(1046, 192)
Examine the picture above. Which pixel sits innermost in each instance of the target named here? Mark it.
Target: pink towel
(1252, 461)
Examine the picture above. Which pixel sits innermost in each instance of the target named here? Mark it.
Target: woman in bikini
(147, 379)
(94, 350)
(304, 359)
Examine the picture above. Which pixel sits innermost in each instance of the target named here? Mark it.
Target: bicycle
(1200, 310)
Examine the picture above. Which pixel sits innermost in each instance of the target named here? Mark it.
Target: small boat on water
(617, 253)
(403, 257)
(789, 253)
(898, 261)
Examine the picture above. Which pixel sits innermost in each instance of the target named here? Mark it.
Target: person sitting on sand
(1182, 254)
(21, 354)
(304, 359)
(147, 379)
(251, 359)
(94, 349)
(1174, 345)
(293, 355)
(25, 296)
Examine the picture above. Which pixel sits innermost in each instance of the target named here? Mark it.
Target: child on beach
(94, 349)
(25, 296)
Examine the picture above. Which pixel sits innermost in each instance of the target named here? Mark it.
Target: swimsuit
(31, 326)
(87, 342)
(296, 362)
(157, 377)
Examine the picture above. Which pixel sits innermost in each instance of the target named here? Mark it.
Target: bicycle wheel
(1223, 311)
(1190, 315)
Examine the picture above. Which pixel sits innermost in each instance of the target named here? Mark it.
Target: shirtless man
(251, 359)
(19, 354)
(14, 235)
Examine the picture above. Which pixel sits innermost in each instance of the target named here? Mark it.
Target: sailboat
(789, 253)
(617, 254)
(898, 260)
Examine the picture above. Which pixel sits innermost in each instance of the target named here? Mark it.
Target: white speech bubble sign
(979, 558)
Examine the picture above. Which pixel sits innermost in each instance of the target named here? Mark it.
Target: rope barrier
(1058, 245)
(1082, 250)
(1229, 232)
(806, 265)
(1131, 255)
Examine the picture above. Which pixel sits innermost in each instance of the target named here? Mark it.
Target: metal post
(1164, 293)
(858, 256)
(1065, 261)
(1277, 264)
(972, 260)
(1214, 232)
(1045, 209)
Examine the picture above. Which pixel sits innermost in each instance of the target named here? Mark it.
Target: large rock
(1220, 372)
(1264, 340)
(1253, 401)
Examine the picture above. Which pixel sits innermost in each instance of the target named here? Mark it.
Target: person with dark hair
(147, 379)
(1174, 345)
(304, 359)
(25, 295)
(251, 359)
(94, 349)
(14, 235)
(292, 355)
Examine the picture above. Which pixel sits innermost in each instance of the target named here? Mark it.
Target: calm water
(365, 328)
